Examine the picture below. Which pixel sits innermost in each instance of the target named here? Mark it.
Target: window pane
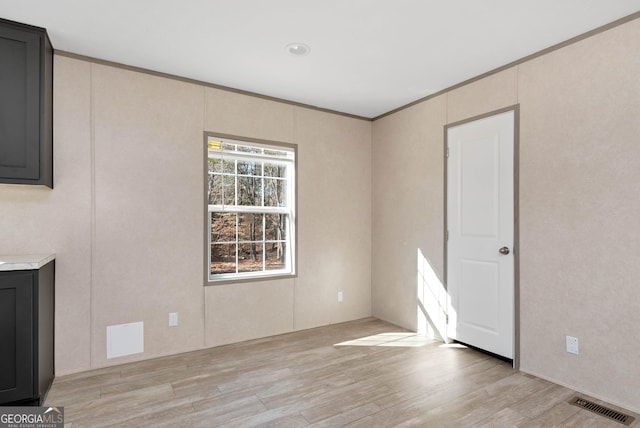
(276, 256)
(275, 170)
(229, 166)
(249, 227)
(249, 177)
(275, 192)
(275, 153)
(223, 258)
(229, 189)
(276, 227)
(223, 227)
(215, 189)
(214, 145)
(250, 257)
(215, 165)
(249, 149)
(249, 191)
(249, 168)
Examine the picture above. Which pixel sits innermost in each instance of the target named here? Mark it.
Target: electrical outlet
(572, 345)
(173, 319)
(340, 296)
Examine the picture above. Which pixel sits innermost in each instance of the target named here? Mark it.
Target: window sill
(253, 278)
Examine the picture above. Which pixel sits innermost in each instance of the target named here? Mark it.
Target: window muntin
(251, 208)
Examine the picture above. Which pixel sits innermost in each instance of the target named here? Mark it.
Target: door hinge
(446, 235)
(447, 151)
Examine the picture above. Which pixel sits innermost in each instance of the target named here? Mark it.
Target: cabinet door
(16, 336)
(19, 104)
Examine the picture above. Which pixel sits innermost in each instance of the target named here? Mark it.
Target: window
(251, 209)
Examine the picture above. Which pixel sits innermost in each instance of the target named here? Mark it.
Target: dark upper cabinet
(26, 105)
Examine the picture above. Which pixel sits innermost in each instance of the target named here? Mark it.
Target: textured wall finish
(237, 114)
(334, 222)
(126, 216)
(579, 210)
(237, 312)
(482, 96)
(408, 213)
(148, 209)
(34, 219)
(334, 218)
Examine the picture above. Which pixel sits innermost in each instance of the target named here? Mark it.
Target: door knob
(504, 251)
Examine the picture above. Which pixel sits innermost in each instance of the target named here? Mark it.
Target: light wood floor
(304, 379)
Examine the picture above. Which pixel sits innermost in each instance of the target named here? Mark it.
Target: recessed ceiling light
(298, 49)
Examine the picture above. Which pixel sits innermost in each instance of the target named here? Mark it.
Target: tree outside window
(251, 208)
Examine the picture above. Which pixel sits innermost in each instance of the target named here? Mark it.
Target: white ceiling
(367, 56)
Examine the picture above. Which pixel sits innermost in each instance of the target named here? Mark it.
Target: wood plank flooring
(305, 379)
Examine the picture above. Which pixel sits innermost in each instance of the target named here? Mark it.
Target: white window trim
(291, 162)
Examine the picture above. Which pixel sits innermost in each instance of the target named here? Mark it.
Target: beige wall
(580, 235)
(408, 192)
(36, 219)
(334, 222)
(126, 216)
(579, 210)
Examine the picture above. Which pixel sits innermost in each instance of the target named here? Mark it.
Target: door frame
(516, 215)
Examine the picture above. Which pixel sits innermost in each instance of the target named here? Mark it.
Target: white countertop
(25, 262)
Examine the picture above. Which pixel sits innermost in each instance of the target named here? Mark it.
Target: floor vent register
(602, 410)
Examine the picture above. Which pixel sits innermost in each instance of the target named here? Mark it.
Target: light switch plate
(173, 319)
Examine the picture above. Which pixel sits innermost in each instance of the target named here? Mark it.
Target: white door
(480, 223)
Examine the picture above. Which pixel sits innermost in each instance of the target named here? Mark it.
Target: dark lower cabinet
(26, 335)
